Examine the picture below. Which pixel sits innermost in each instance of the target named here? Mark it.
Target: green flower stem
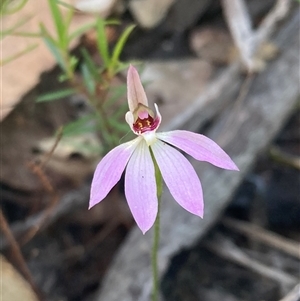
(155, 278)
(154, 256)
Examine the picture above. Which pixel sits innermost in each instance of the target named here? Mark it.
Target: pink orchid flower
(177, 172)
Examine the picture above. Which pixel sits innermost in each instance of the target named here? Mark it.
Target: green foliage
(95, 80)
(102, 43)
(82, 75)
(114, 62)
(8, 7)
(83, 125)
(55, 95)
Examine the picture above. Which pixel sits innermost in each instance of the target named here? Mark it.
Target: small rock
(149, 13)
(13, 286)
(185, 13)
(212, 44)
(103, 8)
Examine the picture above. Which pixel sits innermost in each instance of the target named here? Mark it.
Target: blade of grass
(55, 95)
(81, 30)
(90, 64)
(102, 43)
(123, 66)
(119, 47)
(68, 21)
(118, 126)
(16, 26)
(62, 3)
(85, 124)
(117, 93)
(52, 46)
(58, 20)
(17, 55)
(10, 7)
(88, 79)
(120, 112)
(108, 138)
(26, 34)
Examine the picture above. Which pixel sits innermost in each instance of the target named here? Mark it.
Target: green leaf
(112, 22)
(10, 7)
(88, 79)
(90, 64)
(102, 42)
(81, 30)
(58, 19)
(73, 61)
(123, 66)
(52, 46)
(108, 139)
(55, 95)
(17, 55)
(67, 5)
(118, 92)
(120, 112)
(119, 47)
(85, 124)
(67, 24)
(15, 27)
(118, 126)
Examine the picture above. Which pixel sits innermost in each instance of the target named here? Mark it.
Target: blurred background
(228, 69)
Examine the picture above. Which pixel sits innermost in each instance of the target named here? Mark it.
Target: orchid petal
(158, 116)
(135, 91)
(200, 147)
(129, 119)
(110, 169)
(180, 177)
(140, 187)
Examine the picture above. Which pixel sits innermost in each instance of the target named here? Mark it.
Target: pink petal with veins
(180, 177)
(135, 91)
(110, 169)
(140, 187)
(200, 147)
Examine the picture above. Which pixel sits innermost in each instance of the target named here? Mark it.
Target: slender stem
(159, 185)
(154, 256)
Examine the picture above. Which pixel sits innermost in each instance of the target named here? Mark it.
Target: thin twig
(70, 202)
(17, 254)
(227, 249)
(228, 131)
(38, 225)
(49, 154)
(257, 233)
(284, 158)
(293, 295)
(267, 26)
(245, 38)
(240, 25)
(37, 169)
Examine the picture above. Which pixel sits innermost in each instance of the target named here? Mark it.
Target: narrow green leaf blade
(102, 43)
(57, 18)
(90, 64)
(85, 124)
(50, 43)
(119, 47)
(55, 95)
(88, 79)
(17, 55)
(81, 30)
(116, 93)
